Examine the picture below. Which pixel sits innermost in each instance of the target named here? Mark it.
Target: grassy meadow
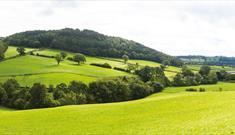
(176, 112)
(30, 69)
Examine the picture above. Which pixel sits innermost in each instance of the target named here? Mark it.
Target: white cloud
(173, 27)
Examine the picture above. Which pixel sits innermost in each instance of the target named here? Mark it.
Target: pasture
(30, 69)
(177, 112)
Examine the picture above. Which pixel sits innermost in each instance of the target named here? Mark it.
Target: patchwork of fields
(170, 112)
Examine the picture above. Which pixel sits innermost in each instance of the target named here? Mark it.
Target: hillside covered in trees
(90, 43)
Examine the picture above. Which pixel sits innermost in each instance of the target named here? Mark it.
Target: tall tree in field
(125, 58)
(79, 58)
(21, 50)
(59, 58)
(63, 55)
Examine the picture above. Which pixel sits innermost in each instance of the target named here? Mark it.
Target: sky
(175, 27)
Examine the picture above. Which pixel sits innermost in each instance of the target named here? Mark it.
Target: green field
(11, 51)
(30, 69)
(215, 68)
(176, 112)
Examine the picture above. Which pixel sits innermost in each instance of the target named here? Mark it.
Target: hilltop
(90, 43)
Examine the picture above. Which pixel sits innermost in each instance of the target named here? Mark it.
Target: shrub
(202, 89)
(120, 69)
(191, 90)
(45, 56)
(105, 65)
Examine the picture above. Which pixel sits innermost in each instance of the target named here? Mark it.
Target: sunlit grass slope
(11, 51)
(29, 69)
(114, 62)
(164, 113)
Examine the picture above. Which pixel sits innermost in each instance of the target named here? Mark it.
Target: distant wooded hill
(216, 60)
(90, 43)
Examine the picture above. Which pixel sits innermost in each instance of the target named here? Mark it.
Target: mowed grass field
(167, 113)
(30, 69)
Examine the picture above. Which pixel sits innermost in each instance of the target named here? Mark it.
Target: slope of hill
(163, 113)
(90, 43)
(30, 69)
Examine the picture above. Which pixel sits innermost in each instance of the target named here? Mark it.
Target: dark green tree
(63, 55)
(58, 58)
(79, 58)
(21, 50)
(3, 95)
(125, 58)
(205, 70)
(3, 49)
(38, 96)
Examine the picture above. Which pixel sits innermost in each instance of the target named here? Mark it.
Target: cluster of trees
(89, 43)
(3, 49)
(39, 96)
(153, 74)
(188, 78)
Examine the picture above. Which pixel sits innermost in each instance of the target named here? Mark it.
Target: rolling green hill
(30, 69)
(90, 43)
(180, 112)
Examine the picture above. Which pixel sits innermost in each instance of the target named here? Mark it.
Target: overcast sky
(173, 27)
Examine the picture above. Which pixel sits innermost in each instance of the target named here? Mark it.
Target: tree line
(89, 43)
(76, 92)
(204, 76)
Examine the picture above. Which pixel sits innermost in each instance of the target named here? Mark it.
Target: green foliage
(90, 43)
(63, 55)
(38, 96)
(105, 65)
(59, 58)
(166, 63)
(187, 72)
(188, 78)
(3, 49)
(3, 95)
(125, 58)
(21, 50)
(79, 58)
(153, 74)
(205, 70)
(109, 91)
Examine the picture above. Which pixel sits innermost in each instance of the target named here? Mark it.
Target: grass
(215, 68)
(30, 69)
(46, 70)
(50, 78)
(11, 51)
(164, 113)
(224, 86)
